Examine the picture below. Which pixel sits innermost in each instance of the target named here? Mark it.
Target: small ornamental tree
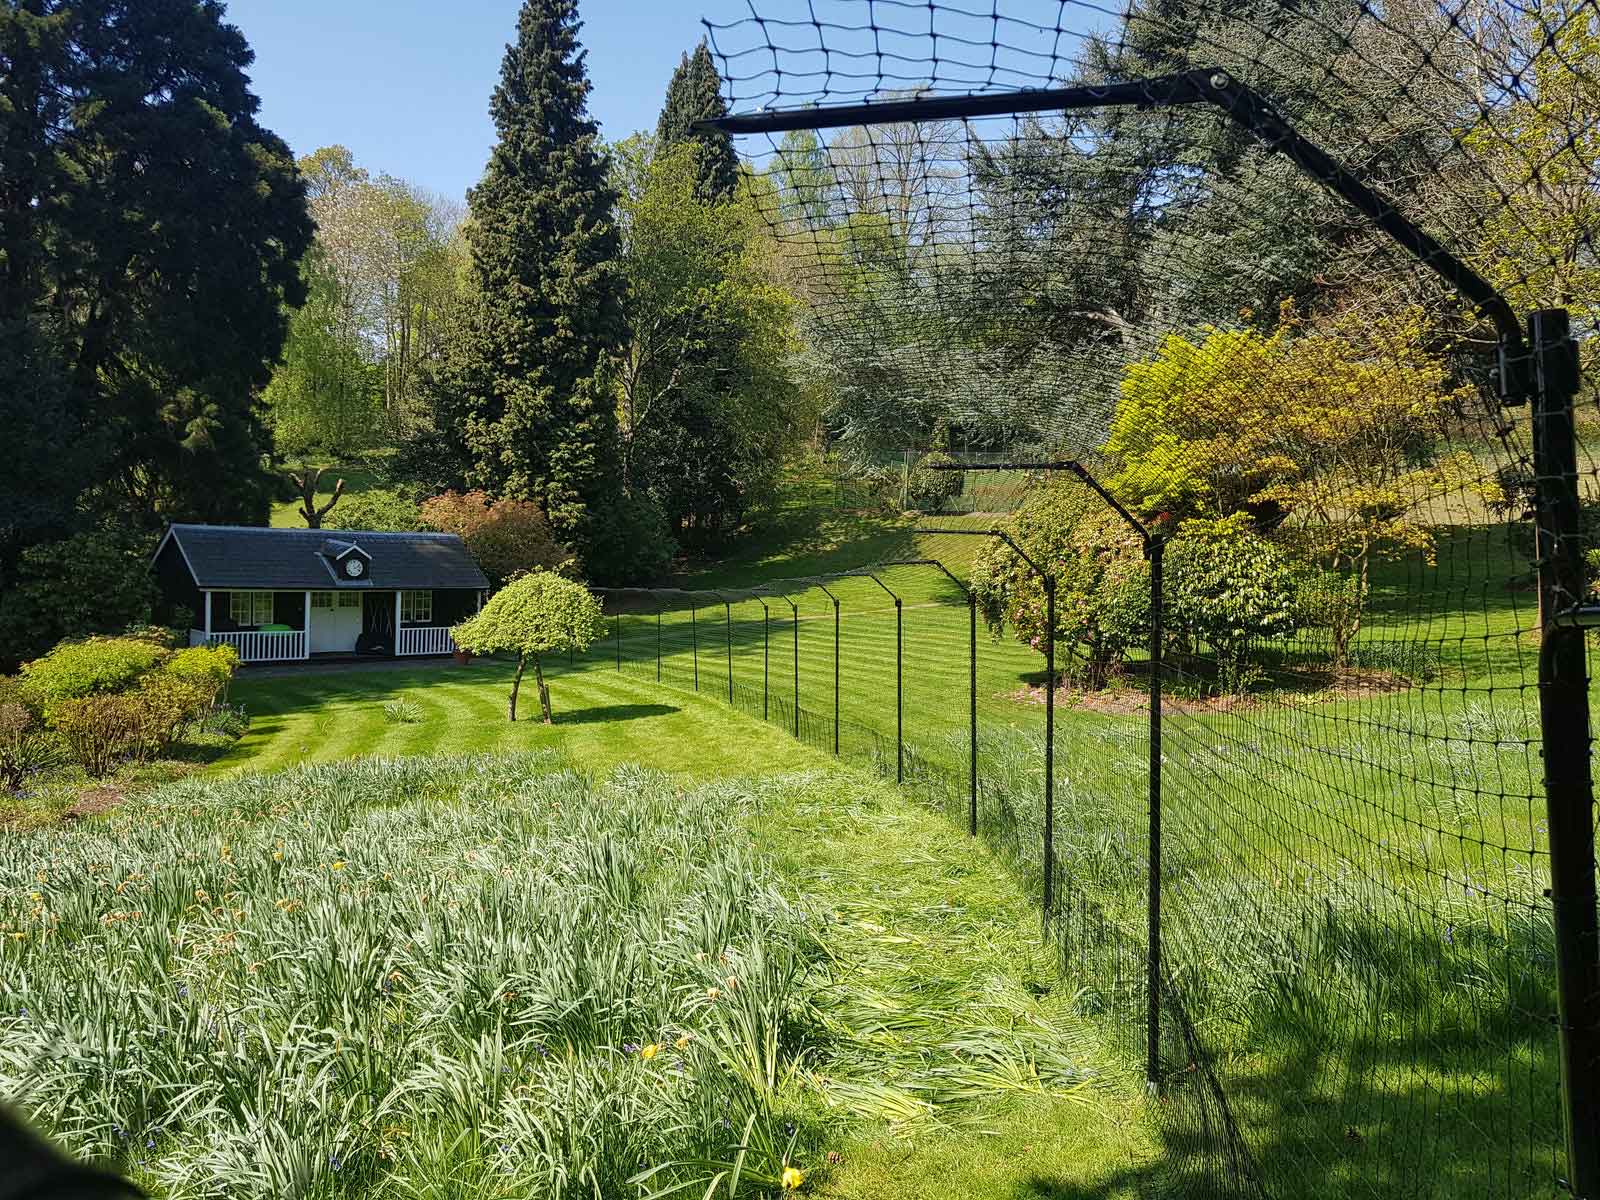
(536, 614)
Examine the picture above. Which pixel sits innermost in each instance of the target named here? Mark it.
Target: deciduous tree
(538, 614)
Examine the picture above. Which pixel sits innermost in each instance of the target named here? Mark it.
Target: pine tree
(695, 94)
(150, 231)
(525, 390)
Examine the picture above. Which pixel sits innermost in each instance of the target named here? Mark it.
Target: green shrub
(93, 582)
(100, 731)
(168, 703)
(1330, 604)
(928, 489)
(1102, 580)
(208, 667)
(91, 667)
(1229, 587)
(379, 509)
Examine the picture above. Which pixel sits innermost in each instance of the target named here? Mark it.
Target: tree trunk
(516, 683)
(544, 692)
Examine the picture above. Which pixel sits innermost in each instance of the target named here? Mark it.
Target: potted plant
(463, 656)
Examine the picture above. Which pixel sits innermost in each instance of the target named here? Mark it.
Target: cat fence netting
(1308, 289)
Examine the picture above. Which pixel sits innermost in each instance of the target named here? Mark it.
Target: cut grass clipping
(462, 977)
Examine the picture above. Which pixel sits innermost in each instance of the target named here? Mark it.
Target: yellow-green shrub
(94, 666)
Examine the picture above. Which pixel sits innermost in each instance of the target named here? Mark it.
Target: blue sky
(405, 83)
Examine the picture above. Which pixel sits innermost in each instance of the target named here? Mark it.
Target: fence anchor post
(1565, 741)
(1155, 548)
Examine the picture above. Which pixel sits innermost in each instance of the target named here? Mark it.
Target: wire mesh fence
(1298, 300)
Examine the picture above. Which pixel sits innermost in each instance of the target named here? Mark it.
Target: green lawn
(357, 478)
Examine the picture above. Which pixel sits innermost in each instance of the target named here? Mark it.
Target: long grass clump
(481, 976)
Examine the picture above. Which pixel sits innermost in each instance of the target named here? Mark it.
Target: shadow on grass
(603, 713)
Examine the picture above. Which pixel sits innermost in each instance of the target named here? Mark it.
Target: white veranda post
(396, 641)
(306, 628)
(206, 597)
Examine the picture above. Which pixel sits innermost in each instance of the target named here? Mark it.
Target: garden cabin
(282, 595)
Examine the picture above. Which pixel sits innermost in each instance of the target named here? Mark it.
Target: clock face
(353, 567)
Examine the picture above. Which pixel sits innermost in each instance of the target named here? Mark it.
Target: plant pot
(463, 657)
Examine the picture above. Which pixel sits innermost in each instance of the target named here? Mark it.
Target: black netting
(1261, 276)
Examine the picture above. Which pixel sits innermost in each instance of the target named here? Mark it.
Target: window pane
(349, 600)
(239, 608)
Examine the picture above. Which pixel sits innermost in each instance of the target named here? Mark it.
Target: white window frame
(416, 608)
(249, 605)
(322, 600)
(349, 599)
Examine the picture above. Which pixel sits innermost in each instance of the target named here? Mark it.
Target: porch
(348, 623)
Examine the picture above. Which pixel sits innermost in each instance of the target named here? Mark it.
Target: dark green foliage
(1229, 587)
(46, 453)
(695, 94)
(522, 389)
(143, 206)
(97, 581)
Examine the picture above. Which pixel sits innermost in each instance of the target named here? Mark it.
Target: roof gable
(225, 557)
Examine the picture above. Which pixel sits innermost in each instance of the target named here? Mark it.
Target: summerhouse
(281, 595)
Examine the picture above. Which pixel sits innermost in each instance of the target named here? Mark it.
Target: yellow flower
(277, 856)
(792, 1178)
(683, 1041)
(336, 865)
(650, 1052)
(713, 993)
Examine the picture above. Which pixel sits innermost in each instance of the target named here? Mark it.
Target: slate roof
(226, 557)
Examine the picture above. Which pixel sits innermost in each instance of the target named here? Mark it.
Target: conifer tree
(523, 390)
(695, 94)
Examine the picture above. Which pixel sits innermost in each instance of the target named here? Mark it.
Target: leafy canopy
(540, 613)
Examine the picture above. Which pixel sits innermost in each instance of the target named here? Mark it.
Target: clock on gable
(354, 567)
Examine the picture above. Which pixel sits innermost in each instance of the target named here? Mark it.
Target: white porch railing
(255, 646)
(424, 639)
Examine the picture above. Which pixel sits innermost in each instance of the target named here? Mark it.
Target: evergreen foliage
(695, 94)
(521, 388)
(113, 112)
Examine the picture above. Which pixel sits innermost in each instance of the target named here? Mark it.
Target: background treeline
(599, 342)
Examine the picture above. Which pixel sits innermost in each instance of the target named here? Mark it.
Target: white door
(335, 621)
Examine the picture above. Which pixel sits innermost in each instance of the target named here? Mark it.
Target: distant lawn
(357, 478)
(327, 715)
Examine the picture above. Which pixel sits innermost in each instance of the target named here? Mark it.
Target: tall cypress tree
(695, 94)
(527, 398)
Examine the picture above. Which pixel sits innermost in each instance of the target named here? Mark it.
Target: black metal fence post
(899, 696)
(1049, 746)
(727, 616)
(1157, 548)
(616, 629)
(658, 644)
(836, 677)
(1566, 742)
(796, 611)
(766, 655)
(972, 735)
(694, 642)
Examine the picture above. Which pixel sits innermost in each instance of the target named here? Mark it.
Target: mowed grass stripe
(601, 719)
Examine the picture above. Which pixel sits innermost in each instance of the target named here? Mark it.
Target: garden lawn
(326, 715)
